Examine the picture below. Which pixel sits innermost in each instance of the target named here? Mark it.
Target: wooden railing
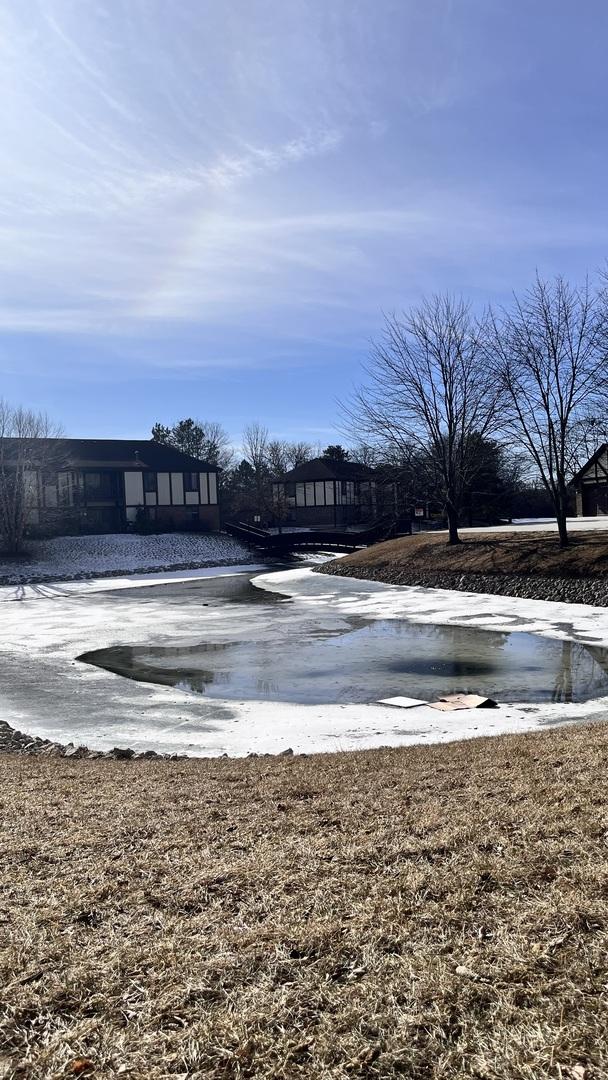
(317, 539)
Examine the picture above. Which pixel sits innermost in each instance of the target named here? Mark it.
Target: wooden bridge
(283, 543)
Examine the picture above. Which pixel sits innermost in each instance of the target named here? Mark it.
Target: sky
(207, 205)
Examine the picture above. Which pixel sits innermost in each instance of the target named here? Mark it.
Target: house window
(190, 481)
(150, 482)
(100, 485)
(64, 488)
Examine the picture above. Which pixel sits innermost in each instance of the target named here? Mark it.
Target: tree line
(460, 411)
(457, 411)
(532, 376)
(245, 478)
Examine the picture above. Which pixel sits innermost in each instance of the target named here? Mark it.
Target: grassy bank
(489, 553)
(525, 564)
(430, 912)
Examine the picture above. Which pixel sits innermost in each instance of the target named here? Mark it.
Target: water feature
(275, 653)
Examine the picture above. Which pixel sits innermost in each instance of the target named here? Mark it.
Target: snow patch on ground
(69, 557)
(544, 525)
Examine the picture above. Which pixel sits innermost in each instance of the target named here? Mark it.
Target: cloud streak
(286, 168)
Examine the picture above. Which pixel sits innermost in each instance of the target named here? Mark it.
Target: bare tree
(430, 389)
(298, 453)
(255, 445)
(255, 453)
(28, 447)
(549, 350)
(278, 457)
(218, 447)
(282, 455)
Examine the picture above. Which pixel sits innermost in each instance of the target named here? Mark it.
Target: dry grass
(432, 912)
(490, 553)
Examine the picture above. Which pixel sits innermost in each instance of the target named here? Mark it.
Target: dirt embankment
(436, 911)
(528, 565)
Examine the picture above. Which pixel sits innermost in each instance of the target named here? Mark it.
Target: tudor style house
(324, 493)
(107, 485)
(591, 485)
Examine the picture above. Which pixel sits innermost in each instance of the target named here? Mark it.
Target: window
(100, 485)
(150, 482)
(190, 481)
(64, 488)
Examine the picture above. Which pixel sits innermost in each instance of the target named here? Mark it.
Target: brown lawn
(484, 553)
(433, 912)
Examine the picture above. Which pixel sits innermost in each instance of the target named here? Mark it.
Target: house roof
(592, 460)
(116, 454)
(327, 469)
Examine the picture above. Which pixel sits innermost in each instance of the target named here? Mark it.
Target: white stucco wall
(163, 484)
(177, 487)
(134, 489)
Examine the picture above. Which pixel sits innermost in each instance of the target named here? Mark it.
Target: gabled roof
(327, 469)
(592, 460)
(115, 454)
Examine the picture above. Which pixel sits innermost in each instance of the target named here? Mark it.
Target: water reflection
(361, 661)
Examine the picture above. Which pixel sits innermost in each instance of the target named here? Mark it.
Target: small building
(591, 485)
(109, 485)
(323, 493)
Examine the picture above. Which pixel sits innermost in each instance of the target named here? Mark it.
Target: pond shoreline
(59, 706)
(22, 577)
(13, 741)
(592, 591)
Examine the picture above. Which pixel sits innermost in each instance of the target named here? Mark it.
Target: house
(324, 492)
(591, 485)
(106, 485)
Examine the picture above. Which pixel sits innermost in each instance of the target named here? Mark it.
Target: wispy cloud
(290, 168)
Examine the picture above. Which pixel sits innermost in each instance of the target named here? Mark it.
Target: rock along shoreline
(13, 741)
(593, 591)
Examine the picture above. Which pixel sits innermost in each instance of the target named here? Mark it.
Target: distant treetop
(335, 452)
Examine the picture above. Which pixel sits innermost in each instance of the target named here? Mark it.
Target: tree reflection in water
(579, 666)
(342, 660)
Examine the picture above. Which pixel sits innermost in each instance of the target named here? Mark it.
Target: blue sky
(207, 204)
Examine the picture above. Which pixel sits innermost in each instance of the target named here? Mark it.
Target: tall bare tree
(549, 351)
(299, 452)
(430, 389)
(255, 453)
(28, 448)
(282, 455)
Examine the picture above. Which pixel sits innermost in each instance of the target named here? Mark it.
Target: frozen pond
(259, 661)
(350, 660)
